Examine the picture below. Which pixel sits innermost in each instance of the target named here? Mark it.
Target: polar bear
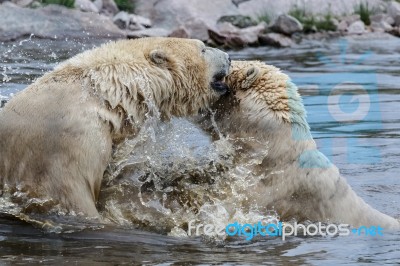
(56, 136)
(299, 182)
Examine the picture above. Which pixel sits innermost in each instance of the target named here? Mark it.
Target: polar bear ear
(158, 57)
(252, 74)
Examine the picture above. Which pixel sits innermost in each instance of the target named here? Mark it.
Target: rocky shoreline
(224, 23)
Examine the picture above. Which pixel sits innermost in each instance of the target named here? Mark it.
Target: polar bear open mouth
(218, 83)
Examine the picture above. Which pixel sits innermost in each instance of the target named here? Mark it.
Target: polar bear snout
(218, 83)
(220, 62)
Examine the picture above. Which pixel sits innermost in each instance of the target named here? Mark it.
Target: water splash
(20, 204)
(7, 78)
(26, 40)
(168, 175)
(179, 175)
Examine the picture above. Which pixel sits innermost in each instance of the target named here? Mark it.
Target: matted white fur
(56, 136)
(300, 182)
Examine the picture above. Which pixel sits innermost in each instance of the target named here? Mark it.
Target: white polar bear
(299, 182)
(57, 135)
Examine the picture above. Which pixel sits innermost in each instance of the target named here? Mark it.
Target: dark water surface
(362, 76)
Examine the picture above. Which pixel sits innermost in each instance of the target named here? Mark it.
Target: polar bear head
(178, 76)
(262, 98)
(195, 71)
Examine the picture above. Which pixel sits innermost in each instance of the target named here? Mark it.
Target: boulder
(131, 22)
(238, 2)
(337, 8)
(234, 37)
(396, 31)
(36, 4)
(275, 39)
(22, 3)
(54, 21)
(197, 17)
(107, 7)
(342, 26)
(381, 26)
(335, 22)
(346, 21)
(287, 25)
(238, 21)
(139, 21)
(153, 32)
(122, 20)
(357, 27)
(382, 17)
(98, 4)
(394, 12)
(180, 32)
(351, 19)
(86, 6)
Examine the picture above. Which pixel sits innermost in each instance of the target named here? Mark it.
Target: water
(366, 152)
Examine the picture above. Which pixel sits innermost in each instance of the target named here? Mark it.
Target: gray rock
(109, 8)
(346, 21)
(394, 11)
(98, 4)
(140, 21)
(382, 17)
(275, 39)
(238, 21)
(122, 20)
(238, 2)
(22, 3)
(274, 8)
(144, 7)
(397, 21)
(342, 26)
(381, 27)
(232, 36)
(357, 27)
(197, 28)
(153, 32)
(86, 6)
(54, 21)
(351, 19)
(396, 31)
(131, 22)
(197, 17)
(335, 22)
(180, 32)
(287, 25)
(36, 4)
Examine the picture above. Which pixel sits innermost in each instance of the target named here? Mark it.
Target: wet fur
(56, 136)
(299, 182)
